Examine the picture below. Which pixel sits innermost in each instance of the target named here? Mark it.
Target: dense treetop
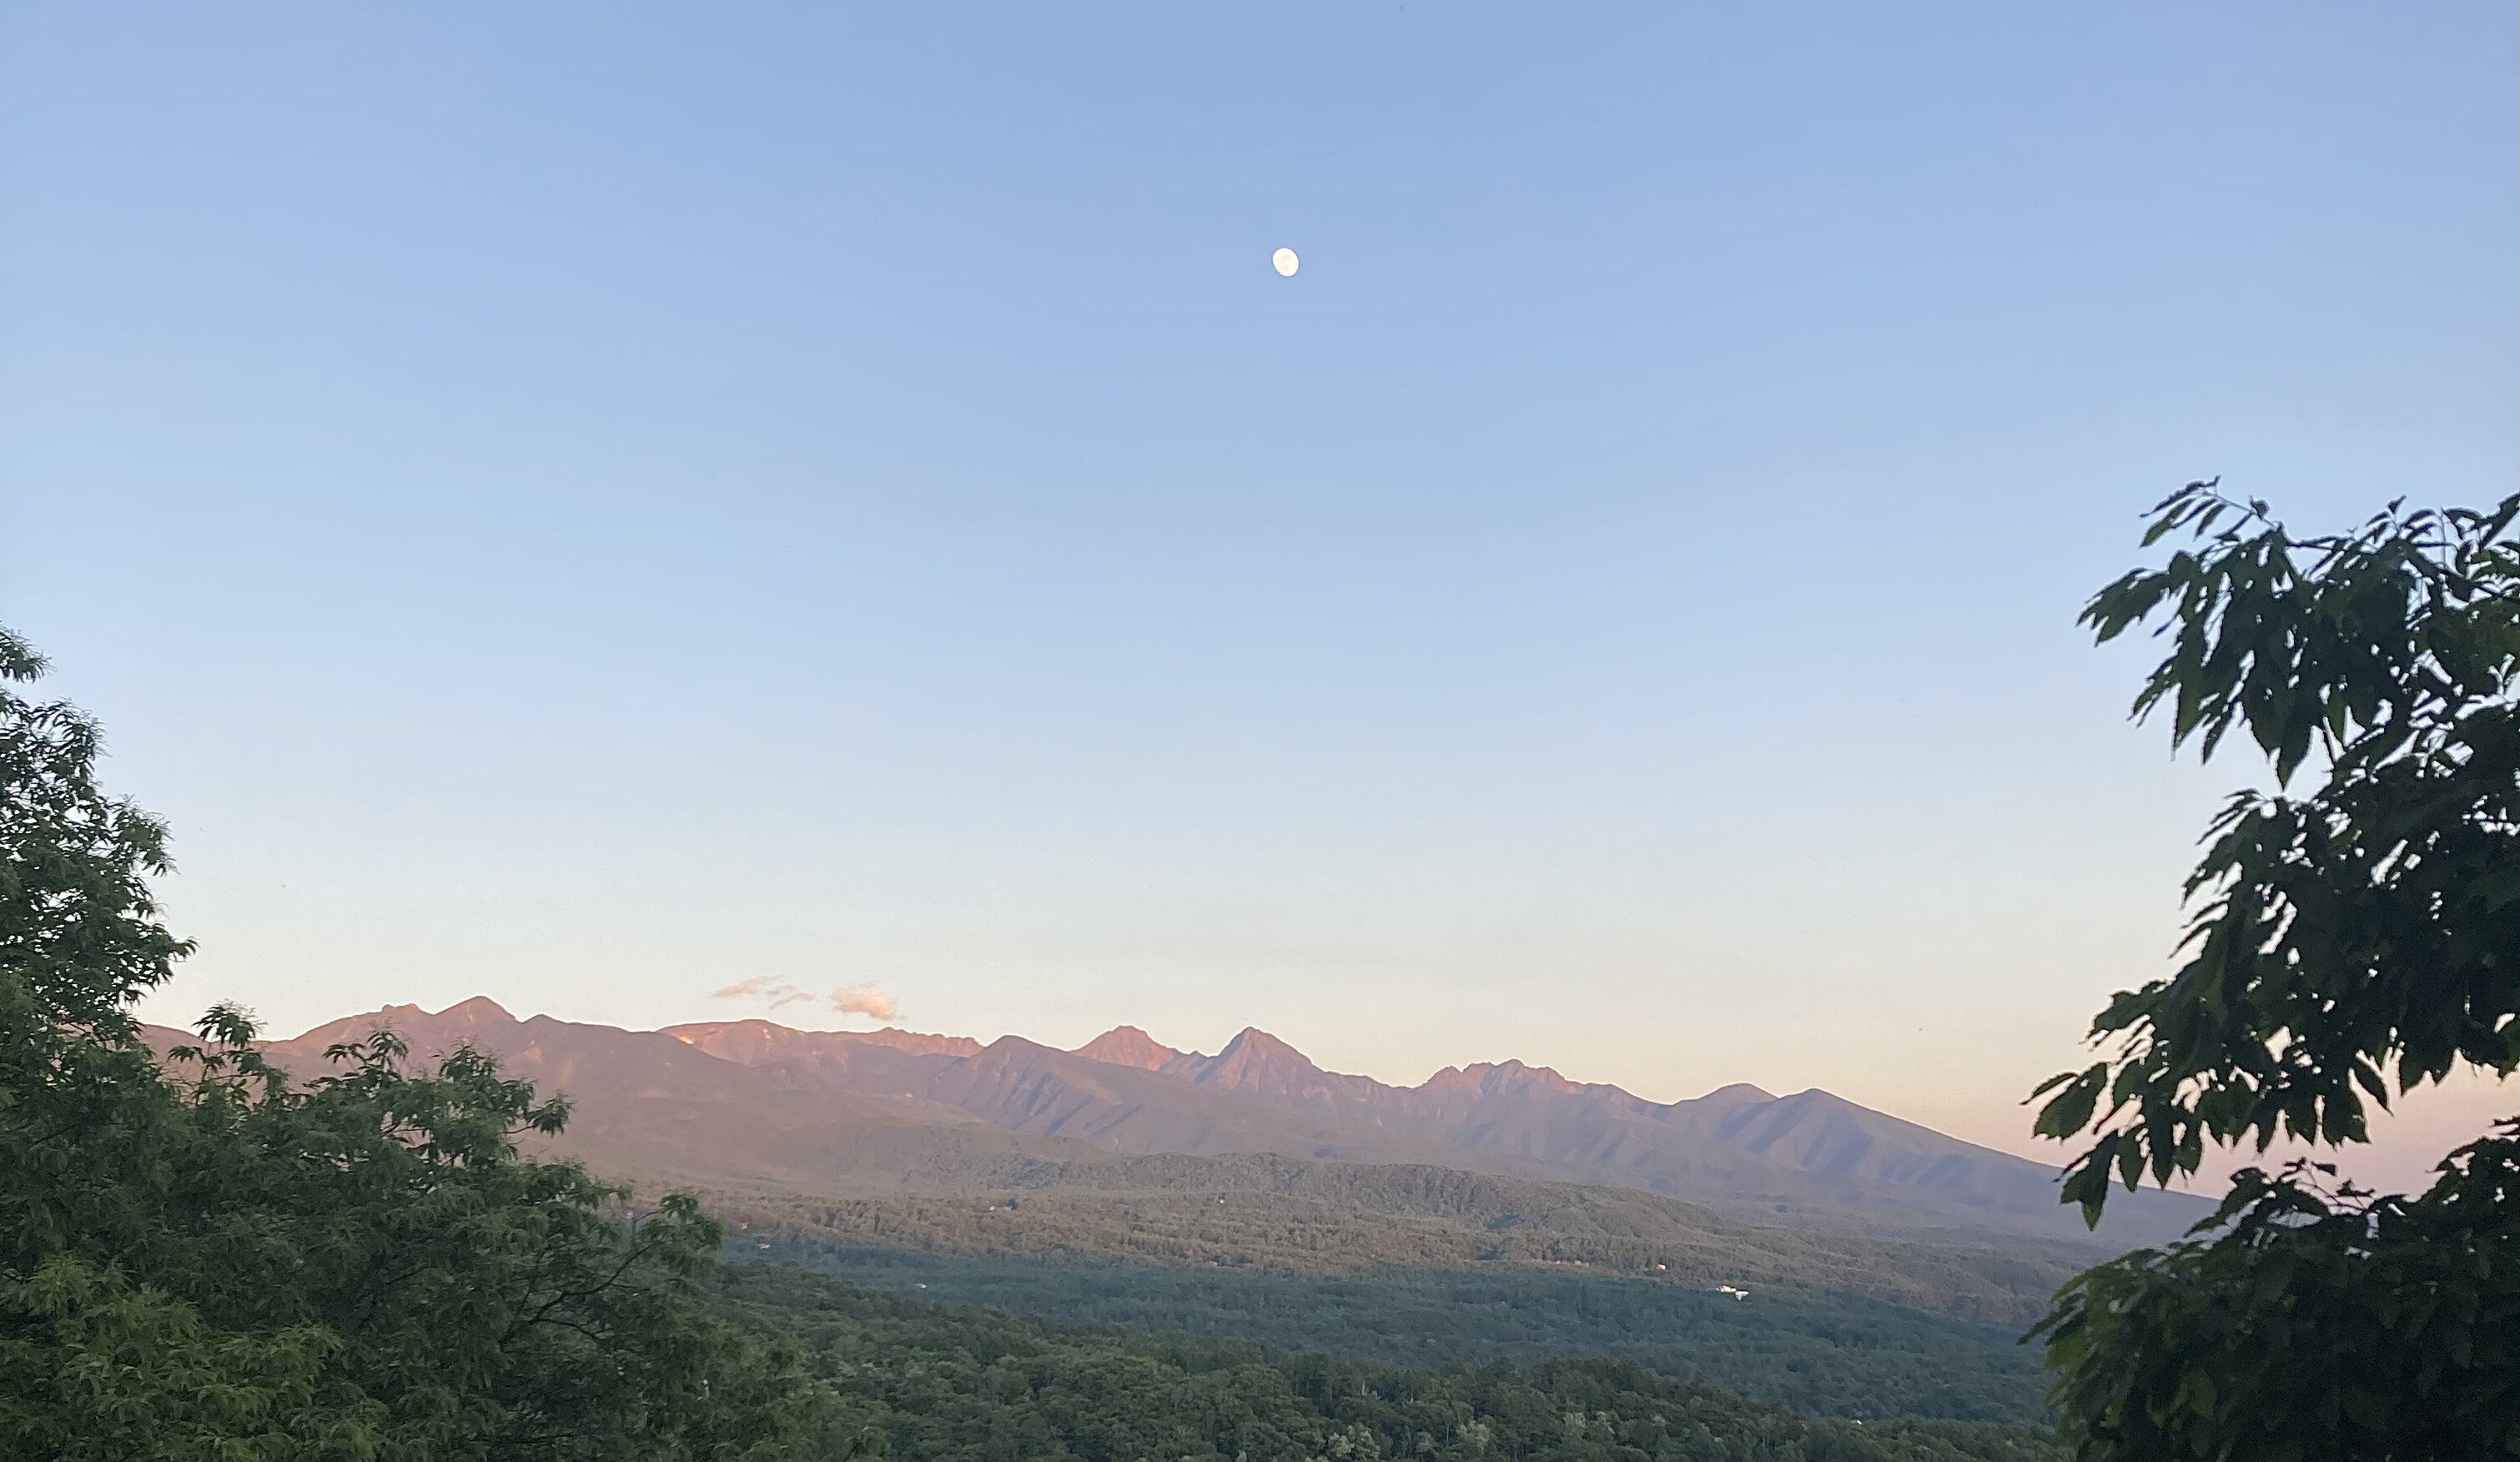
(2349, 943)
(216, 1262)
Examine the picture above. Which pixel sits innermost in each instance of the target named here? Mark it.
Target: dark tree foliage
(951, 1382)
(2363, 937)
(79, 939)
(1819, 1353)
(224, 1264)
(2321, 1325)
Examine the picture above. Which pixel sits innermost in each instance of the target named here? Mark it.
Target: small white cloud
(865, 999)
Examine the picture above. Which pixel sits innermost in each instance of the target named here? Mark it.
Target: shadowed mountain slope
(1738, 1146)
(1812, 1158)
(1290, 1216)
(655, 1110)
(755, 1106)
(1025, 1086)
(1127, 1046)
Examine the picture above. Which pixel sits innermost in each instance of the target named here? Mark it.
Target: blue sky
(590, 504)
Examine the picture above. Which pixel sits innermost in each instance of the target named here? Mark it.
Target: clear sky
(593, 504)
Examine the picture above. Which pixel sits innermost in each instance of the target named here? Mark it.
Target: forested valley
(1817, 1352)
(949, 1381)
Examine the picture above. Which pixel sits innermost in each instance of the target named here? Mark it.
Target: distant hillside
(1037, 1089)
(1290, 1216)
(1381, 1370)
(655, 1110)
(1811, 1160)
(923, 1132)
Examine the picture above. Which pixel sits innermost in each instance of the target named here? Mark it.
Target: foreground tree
(2354, 941)
(224, 1263)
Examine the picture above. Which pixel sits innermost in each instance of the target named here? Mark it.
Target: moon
(1286, 262)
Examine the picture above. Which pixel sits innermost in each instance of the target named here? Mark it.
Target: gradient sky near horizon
(593, 505)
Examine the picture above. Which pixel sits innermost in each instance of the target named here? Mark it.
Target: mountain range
(755, 1107)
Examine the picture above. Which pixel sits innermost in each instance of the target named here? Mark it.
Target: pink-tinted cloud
(762, 987)
(865, 999)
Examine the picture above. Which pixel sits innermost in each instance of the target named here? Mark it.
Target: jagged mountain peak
(1256, 1061)
(478, 1010)
(1497, 1076)
(456, 1021)
(1012, 1048)
(1127, 1046)
(1739, 1091)
(1255, 1049)
(917, 1042)
(1818, 1151)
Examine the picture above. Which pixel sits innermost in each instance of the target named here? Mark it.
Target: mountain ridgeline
(1493, 1215)
(1811, 1160)
(755, 1107)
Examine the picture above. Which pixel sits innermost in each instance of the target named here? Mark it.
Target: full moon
(1285, 261)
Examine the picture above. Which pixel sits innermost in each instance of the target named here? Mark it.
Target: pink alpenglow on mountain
(1127, 1046)
(752, 1102)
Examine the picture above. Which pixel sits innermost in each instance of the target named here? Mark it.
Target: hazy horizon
(2407, 1140)
(595, 514)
